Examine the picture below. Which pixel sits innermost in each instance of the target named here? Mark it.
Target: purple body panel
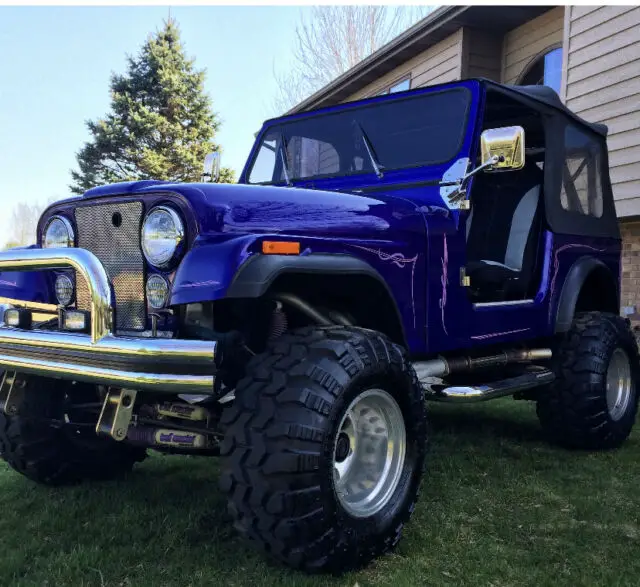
(456, 323)
(403, 230)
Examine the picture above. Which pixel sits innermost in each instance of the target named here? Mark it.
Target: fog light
(18, 318)
(157, 291)
(75, 320)
(64, 290)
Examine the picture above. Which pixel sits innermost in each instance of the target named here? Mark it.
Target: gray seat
(502, 231)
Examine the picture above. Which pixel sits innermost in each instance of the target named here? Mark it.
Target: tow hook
(11, 392)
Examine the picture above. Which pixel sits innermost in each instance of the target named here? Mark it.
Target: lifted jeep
(456, 243)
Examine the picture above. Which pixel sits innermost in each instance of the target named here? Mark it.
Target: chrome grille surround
(118, 249)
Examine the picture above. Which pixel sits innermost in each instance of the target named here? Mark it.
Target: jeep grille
(112, 233)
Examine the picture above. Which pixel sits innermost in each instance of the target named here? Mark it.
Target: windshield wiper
(283, 157)
(377, 166)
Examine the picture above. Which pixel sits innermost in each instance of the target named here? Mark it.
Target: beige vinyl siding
(438, 64)
(523, 44)
(482, 55)
(603, 85)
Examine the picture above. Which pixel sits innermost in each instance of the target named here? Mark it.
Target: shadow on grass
(479, 424)
(175, 491)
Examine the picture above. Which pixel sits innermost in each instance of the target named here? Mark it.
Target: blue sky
(55, 68)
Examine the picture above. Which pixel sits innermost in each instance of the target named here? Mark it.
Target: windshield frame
(277, 125)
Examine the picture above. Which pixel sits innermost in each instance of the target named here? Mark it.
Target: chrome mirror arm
(459, 192)
(495, 159)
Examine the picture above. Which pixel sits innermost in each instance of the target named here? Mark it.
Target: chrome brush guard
(161, 365)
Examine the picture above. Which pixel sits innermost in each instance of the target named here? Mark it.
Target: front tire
(593, 402)
(56, 455)
(324, 449)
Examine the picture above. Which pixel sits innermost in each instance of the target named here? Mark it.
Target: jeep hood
(254, 209)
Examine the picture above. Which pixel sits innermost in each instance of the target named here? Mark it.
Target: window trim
(532, 62)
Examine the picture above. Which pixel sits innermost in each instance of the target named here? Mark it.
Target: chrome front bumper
(156, 364)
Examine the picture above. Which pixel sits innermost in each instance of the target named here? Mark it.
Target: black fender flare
(578, 274)
(256, 275)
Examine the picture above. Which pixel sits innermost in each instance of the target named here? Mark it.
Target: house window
(546, 70)
(399, 86)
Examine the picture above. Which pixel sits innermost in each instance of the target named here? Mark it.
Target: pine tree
(161, 124)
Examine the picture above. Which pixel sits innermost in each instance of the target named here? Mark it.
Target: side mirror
(506, 144)
(211, 171)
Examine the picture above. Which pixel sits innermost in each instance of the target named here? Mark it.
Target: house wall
(482, 54)
(438, 64)
(523, 44)
(474, 52)
(630, 231)
(602, 56)
(603, 85)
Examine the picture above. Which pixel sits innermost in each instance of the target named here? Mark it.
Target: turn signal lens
(75, 320)
(280, 248)
(18, 318)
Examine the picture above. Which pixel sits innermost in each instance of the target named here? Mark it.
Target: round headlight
(162, 235)
(58, 233)
(157, 291)
(64, 290)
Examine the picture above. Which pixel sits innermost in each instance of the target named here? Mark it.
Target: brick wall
(630, 231)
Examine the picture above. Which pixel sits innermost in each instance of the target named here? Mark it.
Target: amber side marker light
(280, 248)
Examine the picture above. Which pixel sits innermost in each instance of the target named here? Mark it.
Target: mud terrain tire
(54, 455)
(575, 412)
(280, 447)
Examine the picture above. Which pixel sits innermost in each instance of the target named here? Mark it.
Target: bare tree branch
(332, 40)
(24, 221)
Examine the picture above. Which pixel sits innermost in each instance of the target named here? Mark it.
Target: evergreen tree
(161, 124)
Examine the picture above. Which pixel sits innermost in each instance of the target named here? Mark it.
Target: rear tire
(593, 402)
(305, 421)
(55, 455)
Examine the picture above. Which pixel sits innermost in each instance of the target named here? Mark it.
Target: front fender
(208, 269)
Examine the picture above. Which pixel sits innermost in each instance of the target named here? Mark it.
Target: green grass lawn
(499, 507)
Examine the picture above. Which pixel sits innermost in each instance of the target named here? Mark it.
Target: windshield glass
(423, 129)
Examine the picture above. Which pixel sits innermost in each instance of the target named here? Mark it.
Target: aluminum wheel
(369, 453)
(619, 387)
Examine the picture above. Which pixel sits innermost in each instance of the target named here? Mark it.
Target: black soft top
(548, 97)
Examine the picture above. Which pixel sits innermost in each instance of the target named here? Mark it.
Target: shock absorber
(180, 410)
(165, 437)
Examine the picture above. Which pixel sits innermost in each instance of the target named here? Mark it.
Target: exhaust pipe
(441, 367)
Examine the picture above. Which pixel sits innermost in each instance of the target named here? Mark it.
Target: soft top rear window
(416, 130)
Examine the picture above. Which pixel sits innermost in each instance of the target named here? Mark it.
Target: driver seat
(502, 233)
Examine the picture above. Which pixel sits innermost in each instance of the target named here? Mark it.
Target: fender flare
(258, 273)
(254, 277)
(578, 274)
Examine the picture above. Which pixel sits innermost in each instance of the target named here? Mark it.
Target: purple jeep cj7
(454, 243)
